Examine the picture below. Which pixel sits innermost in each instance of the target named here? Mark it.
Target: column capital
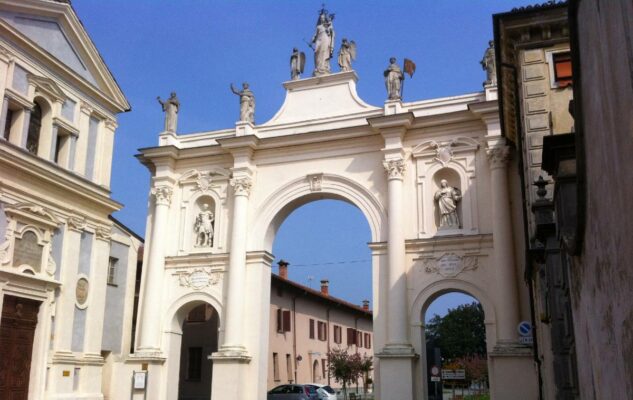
(395, 168)
(76, 223)
(498, 156)
(111, 124)
(86, 108)
(242, 185)
(162, 193)
(103, 233)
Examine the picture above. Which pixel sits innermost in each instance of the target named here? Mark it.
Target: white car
(325, 392)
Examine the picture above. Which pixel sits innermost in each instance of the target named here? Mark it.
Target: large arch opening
(454, 339)
(321, 290)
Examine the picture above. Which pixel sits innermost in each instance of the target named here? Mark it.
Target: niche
(447, 200)
(203, 223)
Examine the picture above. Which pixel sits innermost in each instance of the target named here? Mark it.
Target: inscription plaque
(81, 291)
(28, 251)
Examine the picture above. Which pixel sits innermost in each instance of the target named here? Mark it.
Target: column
(152, 292)
(397, 295)
(508, 307)
(82, 141)
(3, 116)
(26, 119)
(71, 152)
(233, 339)
(54, 140)
(107, 149)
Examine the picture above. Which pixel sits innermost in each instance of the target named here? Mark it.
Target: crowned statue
(323, 43)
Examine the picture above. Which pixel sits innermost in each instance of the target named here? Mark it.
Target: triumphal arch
(431, 177)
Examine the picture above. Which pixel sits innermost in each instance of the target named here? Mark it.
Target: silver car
(293, 392)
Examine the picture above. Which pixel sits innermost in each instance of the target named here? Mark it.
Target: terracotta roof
(541, 6)
(317, 293)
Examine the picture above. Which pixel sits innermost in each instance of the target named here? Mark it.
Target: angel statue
(323, 41)
(247, 102)
(297, 63)
(204, 227)
(346, 55)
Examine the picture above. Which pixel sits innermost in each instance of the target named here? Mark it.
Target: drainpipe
(294, 335)
(327, 311)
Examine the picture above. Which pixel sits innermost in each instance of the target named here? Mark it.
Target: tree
(347, 368)
(460, 333)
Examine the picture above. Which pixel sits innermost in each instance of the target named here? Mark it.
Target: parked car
(294, 392)
(325, 392)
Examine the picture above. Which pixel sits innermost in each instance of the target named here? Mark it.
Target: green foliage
(460, 333)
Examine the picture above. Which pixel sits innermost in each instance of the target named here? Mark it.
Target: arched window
(35, 126)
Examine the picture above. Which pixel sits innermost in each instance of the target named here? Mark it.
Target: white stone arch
(292, 195)
(420, 306)
(172, 335)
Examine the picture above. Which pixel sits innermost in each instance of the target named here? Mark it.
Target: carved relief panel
(202, 213)
(446, 187)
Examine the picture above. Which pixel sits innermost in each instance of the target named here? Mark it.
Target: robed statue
(346, 55)
(297, 63)
(393, 80)
(170, 108)
(203, 227)
(488, 64)
(447, 198)
(247, 102)
(323, 43)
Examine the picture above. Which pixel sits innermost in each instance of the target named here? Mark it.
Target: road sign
(455, 374)
(435, 379)
(525, 328)
(526, 340)
(435, 371)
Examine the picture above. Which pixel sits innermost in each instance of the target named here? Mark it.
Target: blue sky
(197, 48)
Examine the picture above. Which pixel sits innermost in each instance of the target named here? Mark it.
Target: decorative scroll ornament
(76, 223)
(242, 186)
(103, 233)
(5, 248)
(498, 156)
(51, 265)
(203, 182)
(450, 265)
(162, 194)
(395, 168)
(316, 182)
(199, 278)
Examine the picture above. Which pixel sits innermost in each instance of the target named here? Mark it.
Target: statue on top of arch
(323, 42)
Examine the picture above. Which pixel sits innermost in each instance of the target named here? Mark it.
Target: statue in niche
(247, 102)
(297, 63)
(447, 198)
(204, 227)
(488, 64)
(170, 108)
(393, 80)
(323, 43)
(346, 55)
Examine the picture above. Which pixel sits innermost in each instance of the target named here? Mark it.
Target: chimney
(283, 269)
(325, 287)
(366, 305)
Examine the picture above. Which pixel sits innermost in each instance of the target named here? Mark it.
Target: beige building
(67, 270)
(305, 324)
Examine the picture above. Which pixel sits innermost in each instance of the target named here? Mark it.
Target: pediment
(33, 213)
(47, 87)
(53, 31)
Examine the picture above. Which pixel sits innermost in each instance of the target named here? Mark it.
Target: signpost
(525, 333)
(435, 378)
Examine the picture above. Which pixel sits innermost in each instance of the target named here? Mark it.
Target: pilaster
(81, 151)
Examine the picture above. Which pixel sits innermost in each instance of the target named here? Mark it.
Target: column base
(229, 365)
(512, 372)
(231, 354)
(396, 371)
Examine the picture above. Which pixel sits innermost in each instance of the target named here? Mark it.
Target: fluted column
(505, 268)
(150, 328)
(233, 339)
(397, 293)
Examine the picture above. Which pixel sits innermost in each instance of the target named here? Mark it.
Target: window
(276, 366)
(562, 69)
(7, 124)
(289, 368)
(323, 368)
(283, 320)
(338, 334)
(311, 329)
(198, 314)
(35, 125)
(194, 364)
(322, 331)
(351, 336)
(367, 341)
(112, 268)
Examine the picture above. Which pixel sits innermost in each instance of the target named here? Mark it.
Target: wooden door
(17, 329)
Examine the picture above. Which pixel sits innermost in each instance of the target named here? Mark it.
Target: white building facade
(390, 162)
(67, 270)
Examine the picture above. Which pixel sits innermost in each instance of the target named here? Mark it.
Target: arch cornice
(436, 289)
(288, 197)
(174, 317)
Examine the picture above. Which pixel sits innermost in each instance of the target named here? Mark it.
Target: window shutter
(351, 336)
(280, 323)
(286, 321)
(311, 329)
(359, 339)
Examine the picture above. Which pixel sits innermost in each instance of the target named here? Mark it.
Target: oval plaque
(81, 291)
(199, 279)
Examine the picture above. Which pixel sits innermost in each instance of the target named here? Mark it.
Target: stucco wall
(115, 300)
(601, 279)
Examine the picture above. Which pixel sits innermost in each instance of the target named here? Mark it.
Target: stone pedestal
(512, 374)
(396, 373)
